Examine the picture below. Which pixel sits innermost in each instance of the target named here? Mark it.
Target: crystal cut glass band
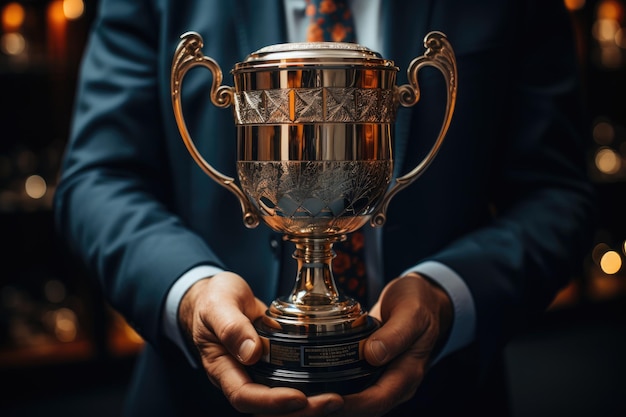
(314, 105)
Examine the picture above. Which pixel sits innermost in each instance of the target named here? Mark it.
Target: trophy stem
(313, 338)
(315, 283)
(314, 304)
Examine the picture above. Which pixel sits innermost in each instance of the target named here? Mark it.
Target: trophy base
(316, 363)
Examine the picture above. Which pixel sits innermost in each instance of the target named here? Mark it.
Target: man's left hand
(416, 315)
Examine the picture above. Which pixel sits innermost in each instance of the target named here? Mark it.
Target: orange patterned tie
(329, 20)
(349, 267)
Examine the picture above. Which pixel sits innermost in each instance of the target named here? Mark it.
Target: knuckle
(229, 330)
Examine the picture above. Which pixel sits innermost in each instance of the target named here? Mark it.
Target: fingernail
(246, 350)
(379, 351)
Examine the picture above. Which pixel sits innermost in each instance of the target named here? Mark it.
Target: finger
(408, 316)
(228, 374)
(397, 384)
(398, 333)
(319, 405)
(229, 318)
(236, 333)
(252, 398)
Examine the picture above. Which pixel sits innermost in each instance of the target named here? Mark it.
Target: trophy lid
(326, 54)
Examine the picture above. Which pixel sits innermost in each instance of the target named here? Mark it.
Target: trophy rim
(330, 47)
(325, 54)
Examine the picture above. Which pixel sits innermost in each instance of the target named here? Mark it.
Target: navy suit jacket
(506, 203)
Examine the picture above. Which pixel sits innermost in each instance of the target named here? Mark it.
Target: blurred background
(64, 352)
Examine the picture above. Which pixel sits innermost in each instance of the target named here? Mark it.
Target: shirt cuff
(170, 314)
(463, 328)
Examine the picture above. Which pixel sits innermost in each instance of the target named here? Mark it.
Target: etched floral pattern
(314, 196)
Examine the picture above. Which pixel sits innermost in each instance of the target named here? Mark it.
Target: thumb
(409, 322)
(235, 331)
(223, 308)
(394, 337)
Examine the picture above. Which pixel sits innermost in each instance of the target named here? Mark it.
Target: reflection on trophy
(315, 125)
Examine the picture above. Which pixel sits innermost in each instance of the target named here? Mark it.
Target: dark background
(64, 352)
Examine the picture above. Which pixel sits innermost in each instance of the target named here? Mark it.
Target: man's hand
(217, 314)
(416, 315)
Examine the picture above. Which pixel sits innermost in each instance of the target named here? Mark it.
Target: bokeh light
(608, 161)
(610, 9)
(12, 43)
(573, 5)
(611, 262)
(12, 17)
(73, 9)
(603, 133)
(35, 186)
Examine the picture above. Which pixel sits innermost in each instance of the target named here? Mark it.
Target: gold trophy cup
(315, 125)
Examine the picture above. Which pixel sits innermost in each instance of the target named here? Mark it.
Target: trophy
(315, 126)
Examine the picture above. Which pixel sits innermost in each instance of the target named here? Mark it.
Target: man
(471, 252)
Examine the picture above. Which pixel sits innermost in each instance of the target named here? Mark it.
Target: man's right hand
(217, 314)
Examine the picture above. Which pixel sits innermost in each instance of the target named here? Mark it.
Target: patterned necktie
(349, 267)
(329, 20)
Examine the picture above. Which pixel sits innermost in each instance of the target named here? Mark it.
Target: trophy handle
(188, 55)
(439, 54)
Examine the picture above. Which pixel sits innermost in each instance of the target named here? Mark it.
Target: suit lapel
(405, 25)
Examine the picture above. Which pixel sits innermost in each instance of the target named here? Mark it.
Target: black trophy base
(315, 364)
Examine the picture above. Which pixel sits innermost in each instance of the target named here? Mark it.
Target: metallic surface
(315, 125)
(292, 86)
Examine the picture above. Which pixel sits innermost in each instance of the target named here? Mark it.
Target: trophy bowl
(315, 125)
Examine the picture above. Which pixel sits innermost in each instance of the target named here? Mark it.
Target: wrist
(188, 305)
